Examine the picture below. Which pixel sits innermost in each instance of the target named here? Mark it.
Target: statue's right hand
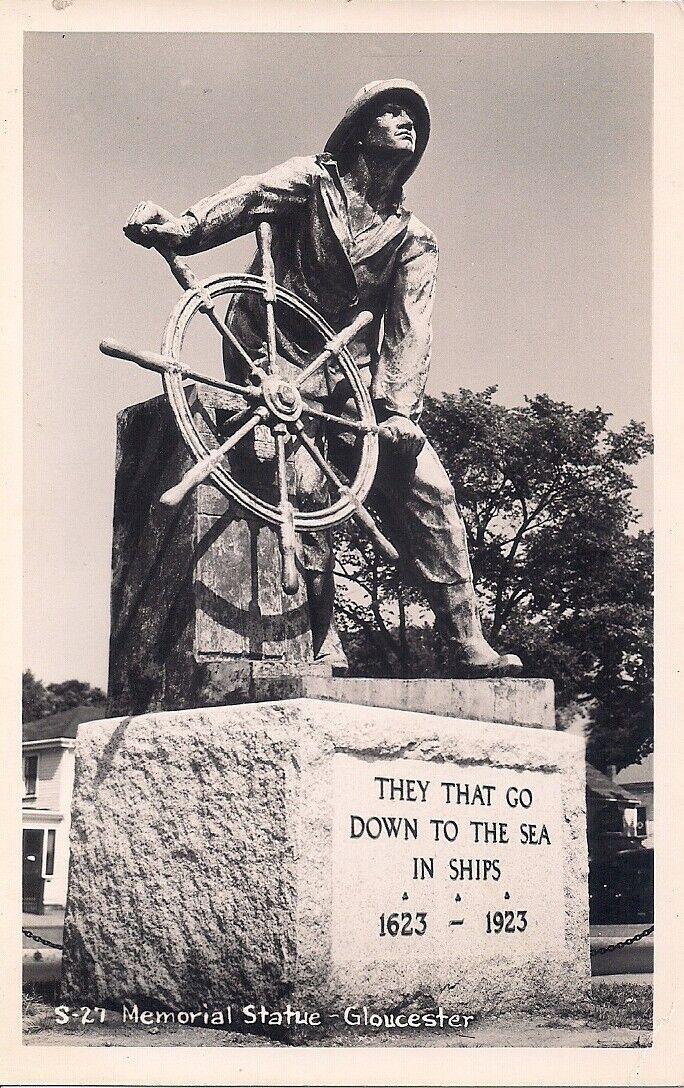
(154, 227)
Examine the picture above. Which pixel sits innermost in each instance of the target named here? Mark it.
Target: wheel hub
(282, 398)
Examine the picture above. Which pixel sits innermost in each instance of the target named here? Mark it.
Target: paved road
(636, 959)
(50, 933)
(41, 964)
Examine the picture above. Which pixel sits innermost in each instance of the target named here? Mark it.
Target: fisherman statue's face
(390, 128)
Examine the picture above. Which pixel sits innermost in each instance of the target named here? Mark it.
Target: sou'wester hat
(402, 91)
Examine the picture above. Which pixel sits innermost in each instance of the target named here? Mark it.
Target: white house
(638, 780)
(48, 756)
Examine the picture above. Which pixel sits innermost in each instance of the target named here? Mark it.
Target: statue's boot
(331, 653)
(458, 624)
(327, 646)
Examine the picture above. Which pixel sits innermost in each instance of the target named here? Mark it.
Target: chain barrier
(597, 952)
(623, 944)
(41, 940)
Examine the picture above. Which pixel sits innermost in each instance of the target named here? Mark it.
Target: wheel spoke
(341, 421)
(243, 413)
(189, 281)
(335, 346)
(360, 513)
(249, 392)
(264, 239)
(166, 364)
(286, 528)
(199, 472)
(231, 338)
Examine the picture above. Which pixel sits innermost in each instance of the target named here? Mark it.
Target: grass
(623, 1005)
(37, 1006)
(617, 1005)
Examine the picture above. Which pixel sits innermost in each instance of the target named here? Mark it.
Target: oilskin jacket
(389, 269)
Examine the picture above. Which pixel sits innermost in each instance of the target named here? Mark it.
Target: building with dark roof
(48, 747)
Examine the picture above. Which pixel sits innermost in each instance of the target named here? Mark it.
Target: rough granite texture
(197, 610)
(202, 869)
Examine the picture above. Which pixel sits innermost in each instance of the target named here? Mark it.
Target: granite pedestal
(331, 855)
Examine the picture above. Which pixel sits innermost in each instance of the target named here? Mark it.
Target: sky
(536, 181)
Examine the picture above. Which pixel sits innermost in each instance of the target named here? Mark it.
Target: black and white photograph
(341, 384)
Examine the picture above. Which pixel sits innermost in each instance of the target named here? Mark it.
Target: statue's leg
(317, 561)
(419, 502)
(327, 647)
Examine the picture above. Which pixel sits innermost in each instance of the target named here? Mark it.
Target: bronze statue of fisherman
(344, 242)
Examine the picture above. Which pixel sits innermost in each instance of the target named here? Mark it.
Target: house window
(30, 775)
(50, 853)
(611, 817)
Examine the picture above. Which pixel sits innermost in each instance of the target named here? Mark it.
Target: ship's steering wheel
(269, 398)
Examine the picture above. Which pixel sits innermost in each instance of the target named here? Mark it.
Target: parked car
(620, 866)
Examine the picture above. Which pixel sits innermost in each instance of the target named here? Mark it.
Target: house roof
(637, 774)
(600, 785)
(64, 724)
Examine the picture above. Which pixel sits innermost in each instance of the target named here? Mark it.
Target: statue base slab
(329, 855)
(509, 701)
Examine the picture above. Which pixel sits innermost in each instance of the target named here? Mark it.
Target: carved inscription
(439, 859)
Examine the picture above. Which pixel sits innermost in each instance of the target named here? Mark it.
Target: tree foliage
(564, 578)
(39, 700)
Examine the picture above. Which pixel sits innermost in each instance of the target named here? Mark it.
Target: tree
(71, 693)
(36, 701)
(563, 575)
(40, 700)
